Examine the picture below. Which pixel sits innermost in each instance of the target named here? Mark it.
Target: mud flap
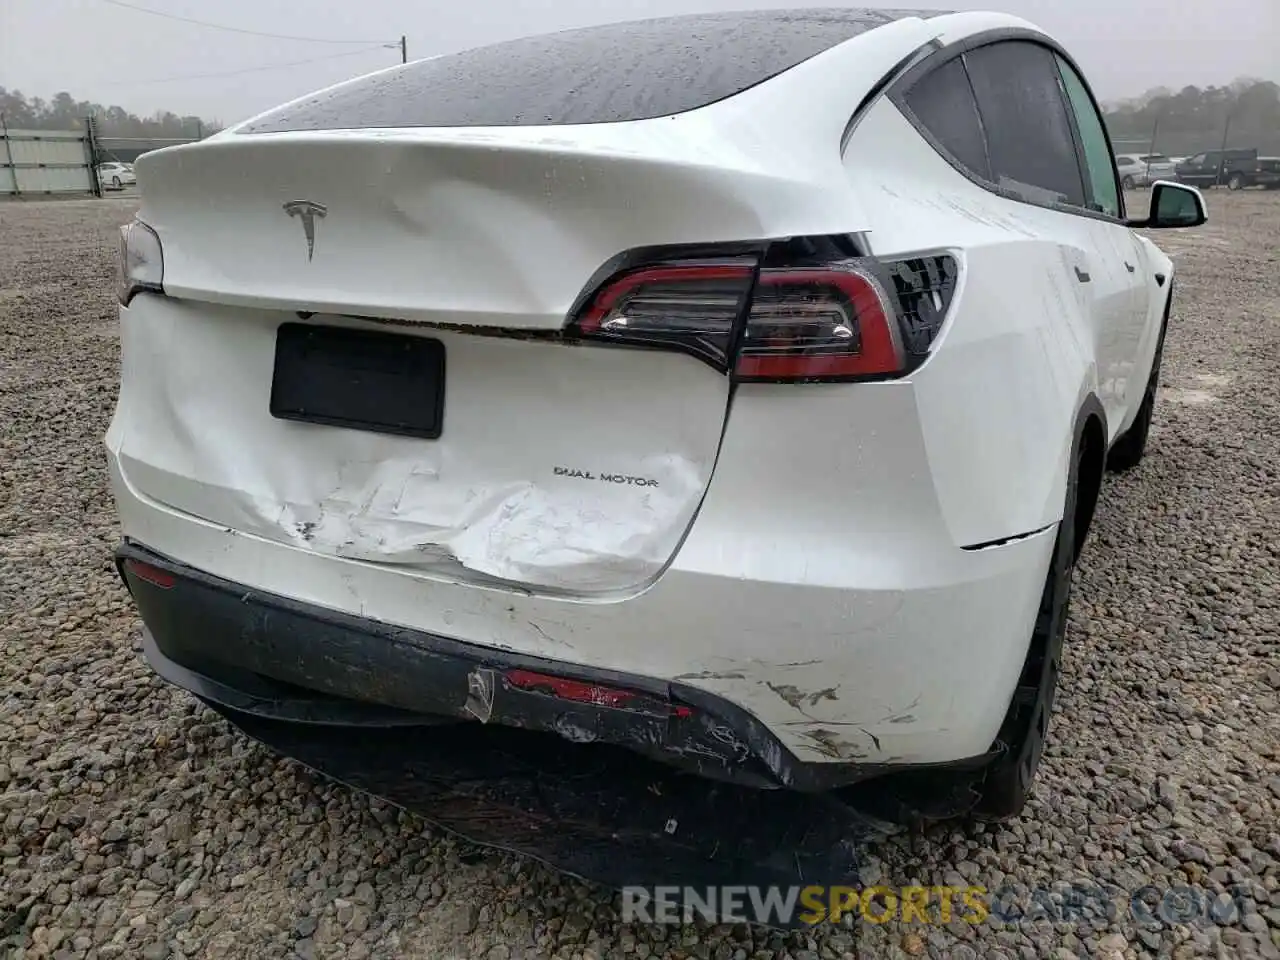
(596, 812)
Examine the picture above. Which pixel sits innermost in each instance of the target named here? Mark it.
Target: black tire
(1004, 789)
(115, 182)
(1130, 447)
(1127, 183)
(1236, 182)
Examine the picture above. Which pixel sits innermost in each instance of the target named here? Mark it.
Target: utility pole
(91, 151)
(1222, 156)
(404, 50)
(8, 152)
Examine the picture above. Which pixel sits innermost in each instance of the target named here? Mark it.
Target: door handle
(1128, 266)
(1081, 275)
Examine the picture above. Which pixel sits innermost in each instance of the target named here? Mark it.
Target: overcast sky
(102, 52)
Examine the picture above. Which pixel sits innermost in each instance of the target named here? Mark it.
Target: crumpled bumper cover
(276, 658)
(586, 805)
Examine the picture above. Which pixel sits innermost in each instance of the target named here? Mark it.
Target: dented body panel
(580, 476)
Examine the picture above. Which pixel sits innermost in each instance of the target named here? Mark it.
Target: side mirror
(1173, 205)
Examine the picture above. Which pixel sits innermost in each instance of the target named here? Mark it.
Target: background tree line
(65, 113)
(1195, 119)
(1183, 122)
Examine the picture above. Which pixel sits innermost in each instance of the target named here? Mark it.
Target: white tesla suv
(734, 388)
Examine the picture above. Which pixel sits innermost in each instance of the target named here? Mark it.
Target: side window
(1093, 137)
(942, 101)
(1029, 136)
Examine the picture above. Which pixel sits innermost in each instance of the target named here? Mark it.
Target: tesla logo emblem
(307, 211)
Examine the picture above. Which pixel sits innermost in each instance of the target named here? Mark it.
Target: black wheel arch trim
(1085, 506)
(1091, 406)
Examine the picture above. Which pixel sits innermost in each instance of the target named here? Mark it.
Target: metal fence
(47, 162)
(64, 162)
(128, 149)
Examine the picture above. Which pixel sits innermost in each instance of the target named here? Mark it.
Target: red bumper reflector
(581, 692)
(152, 575)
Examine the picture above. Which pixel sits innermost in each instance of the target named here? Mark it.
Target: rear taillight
(690, 306)
(815, 319)
(828, 323)
(140, 263)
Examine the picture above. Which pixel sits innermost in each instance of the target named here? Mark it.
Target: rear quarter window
(623, 71)
(943, 103)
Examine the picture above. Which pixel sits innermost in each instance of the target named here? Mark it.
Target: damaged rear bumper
(277, 659)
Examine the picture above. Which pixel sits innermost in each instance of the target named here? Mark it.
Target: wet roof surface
(622, 71)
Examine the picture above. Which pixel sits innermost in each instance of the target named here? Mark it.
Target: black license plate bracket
(367, 380)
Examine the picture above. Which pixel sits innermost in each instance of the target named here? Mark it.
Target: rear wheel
(1003, 791)
(1236, 182)
(1129, 448)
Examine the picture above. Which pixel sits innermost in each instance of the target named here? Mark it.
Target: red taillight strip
(152, 575)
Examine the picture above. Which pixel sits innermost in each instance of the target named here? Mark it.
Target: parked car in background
(1142, 170)
(1235, 168)
(116, 176)
(1159, 167)
(1266, 176)
(1133, 173)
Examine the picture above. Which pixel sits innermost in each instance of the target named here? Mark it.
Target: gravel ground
(137, 824)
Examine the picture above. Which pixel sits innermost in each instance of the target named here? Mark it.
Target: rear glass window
(622, 71)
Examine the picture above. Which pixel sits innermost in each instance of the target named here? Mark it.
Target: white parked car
(1159, 167)
(747, 407)
(1142, 170)
(116, 176)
